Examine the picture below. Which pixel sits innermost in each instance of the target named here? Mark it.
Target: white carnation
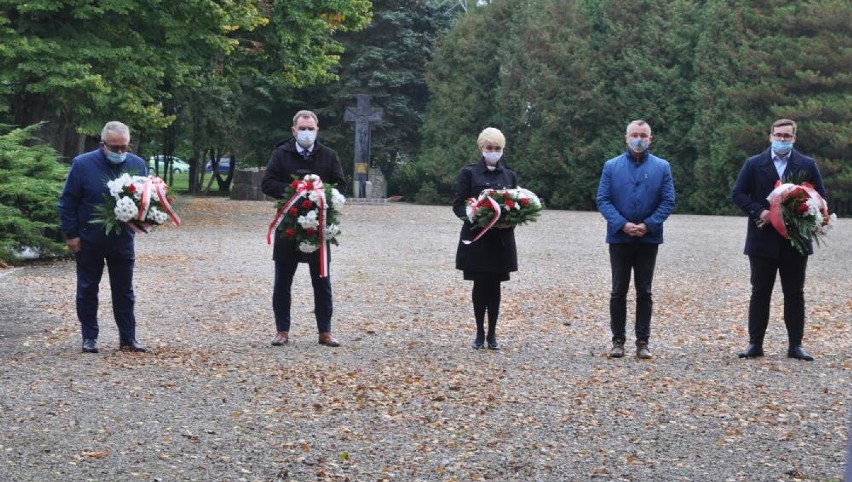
(307, 247)
(813, 206)
(156, 216)
(331, 231)
(117, 185)
(308, 221)
(125, 209)
(337, 200)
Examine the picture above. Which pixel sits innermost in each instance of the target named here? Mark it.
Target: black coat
(754, 183)
(495, 251)
(285, 163)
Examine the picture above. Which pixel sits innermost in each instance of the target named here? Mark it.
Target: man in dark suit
(299, 156)
(769, 253)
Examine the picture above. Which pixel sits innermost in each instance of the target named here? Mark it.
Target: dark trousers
(640, 258)
(791, 266)
(119, 260)
(281, 299)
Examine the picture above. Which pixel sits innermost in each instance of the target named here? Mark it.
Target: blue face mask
(115, 157)
(306, 138)
(782, 148)
(639, 145)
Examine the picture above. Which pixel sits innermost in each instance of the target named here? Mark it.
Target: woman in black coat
(488, 260)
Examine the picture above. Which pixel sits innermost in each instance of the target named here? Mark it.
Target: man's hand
(763, 220)
(73, 244)
(635, 230)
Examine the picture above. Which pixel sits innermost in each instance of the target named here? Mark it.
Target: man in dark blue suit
(769, 253)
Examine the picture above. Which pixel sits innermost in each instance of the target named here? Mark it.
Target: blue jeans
(640, 258)
(281, 299)
(119, 259)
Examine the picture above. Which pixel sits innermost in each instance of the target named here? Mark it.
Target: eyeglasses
(783, 136)
(116, 149)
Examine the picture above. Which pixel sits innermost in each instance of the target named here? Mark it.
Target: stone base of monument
(246, 185)
(365, 200)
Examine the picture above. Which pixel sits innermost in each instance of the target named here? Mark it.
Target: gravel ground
(405, 398)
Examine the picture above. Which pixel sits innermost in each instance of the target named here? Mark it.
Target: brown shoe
(642, 351)
(328, 340)
(281, 338)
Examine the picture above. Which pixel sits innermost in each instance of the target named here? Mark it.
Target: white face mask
(491, 158)
(306, 138)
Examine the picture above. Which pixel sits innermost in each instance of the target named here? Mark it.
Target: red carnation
(295, 184)
(290, 233)
(510, 204)
(311, 231)
(802, 208)
(524, 202)
(292, 211)
(132, 188)
(307, 204)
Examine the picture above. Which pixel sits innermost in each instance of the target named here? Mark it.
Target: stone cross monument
(362, 115)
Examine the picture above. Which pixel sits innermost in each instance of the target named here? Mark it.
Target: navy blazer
(756, 180)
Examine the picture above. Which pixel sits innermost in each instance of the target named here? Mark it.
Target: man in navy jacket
(84, 189)
(636, 195)
(768, 252)
(299, 156)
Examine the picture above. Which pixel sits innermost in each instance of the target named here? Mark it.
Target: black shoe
(90, 345)
(132, 345)
(617, 350)
(478, 342)
(642, 351)
(492, 343)
(751, 351)
(799, 353)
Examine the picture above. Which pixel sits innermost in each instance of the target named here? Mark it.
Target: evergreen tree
(757, 62)
(463, 79)
(30, 185)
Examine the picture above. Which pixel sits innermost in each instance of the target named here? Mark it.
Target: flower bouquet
(307, 214)
(503, 208)
(139, 202)
(799, 214)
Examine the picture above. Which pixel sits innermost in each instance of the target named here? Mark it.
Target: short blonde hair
(490, 135)
(305, 113)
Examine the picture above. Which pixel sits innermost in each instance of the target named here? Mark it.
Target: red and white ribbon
(494, 218)
(154, 186)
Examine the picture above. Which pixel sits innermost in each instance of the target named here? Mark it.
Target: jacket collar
(768, 166)
(644, 157)
(482, 167)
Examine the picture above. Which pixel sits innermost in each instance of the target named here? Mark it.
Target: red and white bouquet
(503, 208)
(799, 214)
(308, 215)
(139, 202)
